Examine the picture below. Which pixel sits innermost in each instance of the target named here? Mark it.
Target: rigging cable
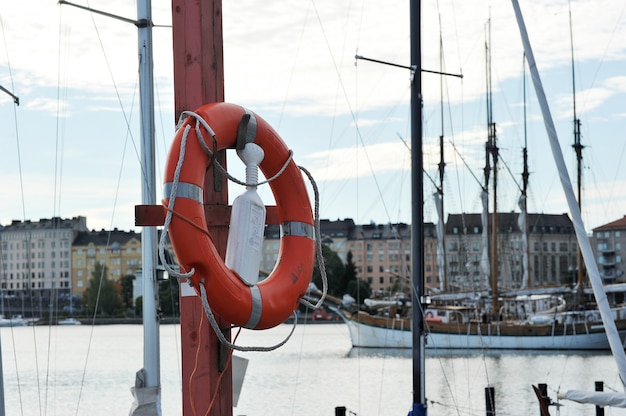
(21, 181)
(618, 169)
(56, 205)
(102, 272)
(352, 112)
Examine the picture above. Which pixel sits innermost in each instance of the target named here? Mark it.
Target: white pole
(148, 197)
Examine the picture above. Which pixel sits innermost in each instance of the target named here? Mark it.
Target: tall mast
(525, 176)
(578, 148)
(151, 363)
(442, 164)
(492, 150)
(417, 217)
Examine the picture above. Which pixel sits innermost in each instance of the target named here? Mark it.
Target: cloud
(617, 83)
(52, 106)
(349, 163)
(295, 61)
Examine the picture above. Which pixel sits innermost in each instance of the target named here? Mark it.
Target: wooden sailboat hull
(382, 332)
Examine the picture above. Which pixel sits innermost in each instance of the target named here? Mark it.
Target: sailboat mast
(578, 148)
(492, 150)
(417, 209)
(148, 196)
(442, 163)
(525, 176)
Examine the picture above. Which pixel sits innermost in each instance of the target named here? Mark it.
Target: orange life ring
(271, 301)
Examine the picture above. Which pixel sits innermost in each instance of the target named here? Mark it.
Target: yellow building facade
(119, 251)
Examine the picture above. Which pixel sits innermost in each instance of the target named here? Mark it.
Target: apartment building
(551, 250)
(36, 255)
(119, 251)
(609, 246)
(381, 252)
(61, 253)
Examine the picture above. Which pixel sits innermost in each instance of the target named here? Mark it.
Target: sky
(71, 147)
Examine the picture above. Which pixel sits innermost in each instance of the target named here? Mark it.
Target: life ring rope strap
(246, 133)
(297, 229)
(246, 139)
(184, 190)
(222, 338)
(318, 244)
(257, 307)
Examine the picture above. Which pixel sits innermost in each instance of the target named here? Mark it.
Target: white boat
(449, 328)
(69, 321)
(15, 320)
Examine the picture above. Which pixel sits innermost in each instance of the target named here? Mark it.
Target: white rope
(170, 210)
(219, 167)
(318, 245)
(222, 338)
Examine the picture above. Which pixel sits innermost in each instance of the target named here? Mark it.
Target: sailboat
(540, 321)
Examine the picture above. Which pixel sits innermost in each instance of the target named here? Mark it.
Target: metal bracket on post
(224, 351)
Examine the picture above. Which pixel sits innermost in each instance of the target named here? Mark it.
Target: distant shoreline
(302, 319)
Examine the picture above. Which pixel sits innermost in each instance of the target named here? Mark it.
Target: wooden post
(599, 409)
(198, 80)
(545, 400)
(490, 401)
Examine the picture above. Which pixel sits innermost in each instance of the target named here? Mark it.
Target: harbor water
(85, 370)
